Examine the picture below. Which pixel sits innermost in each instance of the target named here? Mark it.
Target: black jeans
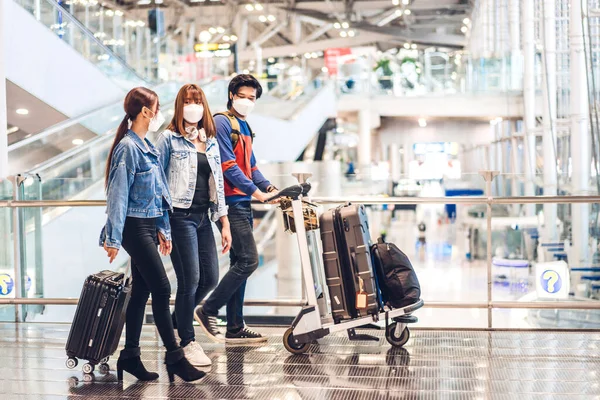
(149, 277)
(243, 262)
(196, 264)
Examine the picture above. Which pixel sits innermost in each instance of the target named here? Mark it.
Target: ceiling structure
(284, 27)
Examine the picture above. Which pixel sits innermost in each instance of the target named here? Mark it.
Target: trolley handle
(293, 192)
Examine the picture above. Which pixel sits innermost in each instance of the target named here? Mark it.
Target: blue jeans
(196, 265)
(244, 261)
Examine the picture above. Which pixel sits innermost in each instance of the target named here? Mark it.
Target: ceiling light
(413, 46)
(398, 12)
(226, 38)
(77, 142)
(337, 25)
(314, 55)
(119, 13)
(345, 25)
(233, 38)
(325, 69)
(464, 29)
(344, 34)
(220, 30)
(262, 18)
(466, 21)
(422, 122)
(406, 2)
(271, 60)
(258, 7)
(12, 130)
(212, 30)
(307, 55)
(249, 7)
(407, 12)
(407, 46)
(351, 33)
(22, 111)
(395, 2)
(204, 36)
(271, 18)
(158, 1)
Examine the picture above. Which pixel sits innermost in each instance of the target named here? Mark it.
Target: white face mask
(156, 122)
(193, 113)
(243, 106)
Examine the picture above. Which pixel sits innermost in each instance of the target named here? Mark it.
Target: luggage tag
(361, 295)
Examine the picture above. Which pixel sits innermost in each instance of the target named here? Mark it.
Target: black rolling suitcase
(99, 319)
(347, 261)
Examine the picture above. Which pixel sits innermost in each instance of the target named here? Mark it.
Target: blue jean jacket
(179, 158)
(137, 187)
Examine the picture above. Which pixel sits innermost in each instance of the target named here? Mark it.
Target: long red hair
(197, 94)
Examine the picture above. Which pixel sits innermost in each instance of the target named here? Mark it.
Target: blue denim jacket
(179, 158)
(137, 187)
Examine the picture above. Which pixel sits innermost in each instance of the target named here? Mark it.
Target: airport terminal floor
(435, 364)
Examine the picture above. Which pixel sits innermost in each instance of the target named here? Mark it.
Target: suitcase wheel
(104, 368)
(71, 362)
(397, 339)
(88, 378)
(88, 368)
(292, 345)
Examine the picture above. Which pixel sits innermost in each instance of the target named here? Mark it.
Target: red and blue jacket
(242, 177)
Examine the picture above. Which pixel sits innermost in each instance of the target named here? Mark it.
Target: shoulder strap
(235, 128)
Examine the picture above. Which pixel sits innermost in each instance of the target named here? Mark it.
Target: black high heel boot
(130, 361)
(178, 365)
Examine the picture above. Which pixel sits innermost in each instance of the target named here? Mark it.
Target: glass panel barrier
(7, 259)
(76, 35)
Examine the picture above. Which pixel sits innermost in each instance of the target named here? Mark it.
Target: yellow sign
(199, 47)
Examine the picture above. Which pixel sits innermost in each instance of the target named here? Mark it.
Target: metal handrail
(488, 200)
(369, 200)
(91, 36)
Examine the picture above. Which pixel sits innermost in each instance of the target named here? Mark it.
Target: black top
(201, 196)
(201, 200)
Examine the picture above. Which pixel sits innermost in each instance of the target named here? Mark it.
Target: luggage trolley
(312, 322)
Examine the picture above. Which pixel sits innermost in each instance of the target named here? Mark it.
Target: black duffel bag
(398, 282)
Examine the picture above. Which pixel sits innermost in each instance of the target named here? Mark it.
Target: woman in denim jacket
(190, 156)
(138, 201)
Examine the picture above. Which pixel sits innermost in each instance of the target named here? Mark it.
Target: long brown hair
(207, 122)
(135, 101)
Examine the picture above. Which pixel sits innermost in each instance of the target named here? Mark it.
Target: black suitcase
(347, 261)
(99, 318)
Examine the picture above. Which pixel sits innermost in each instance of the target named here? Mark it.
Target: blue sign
(6, 284)
(551, 281)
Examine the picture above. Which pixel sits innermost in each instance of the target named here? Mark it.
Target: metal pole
(515, 44)
(549, 118)
(16, 248)
(489, 176)
(580, 138)
(3, 104)
(529, 161)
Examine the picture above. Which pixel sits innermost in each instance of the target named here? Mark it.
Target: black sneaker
(209, 325)
(244, 336)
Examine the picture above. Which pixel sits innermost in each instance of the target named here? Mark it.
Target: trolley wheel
(88, 378)
(71, 362)
(104, 368)
(395, 339)
(292, 345)
(73, 382)
(88, 368)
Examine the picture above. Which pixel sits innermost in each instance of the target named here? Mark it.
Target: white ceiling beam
(318, 33)
(271, 31)
(320, 45)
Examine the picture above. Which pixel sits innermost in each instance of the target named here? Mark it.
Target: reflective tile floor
(434, 365)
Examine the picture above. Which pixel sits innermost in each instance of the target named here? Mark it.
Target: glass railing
(484, 76)
(72, 32)
(461, 272)
(70, 136)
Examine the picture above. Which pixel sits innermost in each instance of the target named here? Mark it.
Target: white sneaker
(196, 356)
